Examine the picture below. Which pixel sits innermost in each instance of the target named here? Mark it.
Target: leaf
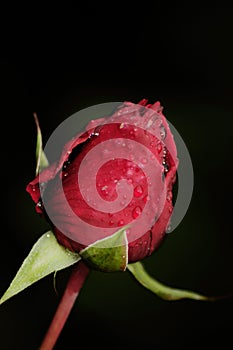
(41, 159)
(45, 257)
(109, 254)
(161, 290)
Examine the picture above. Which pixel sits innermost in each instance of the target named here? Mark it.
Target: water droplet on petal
(65, 165)
(136, 212)
(166, 167)
(159, 146)
(152, 144)
(163, 132)
(39, 204)
(169, 196)
(144, 160)
(120, 223)
(146, 198)
(138, 191)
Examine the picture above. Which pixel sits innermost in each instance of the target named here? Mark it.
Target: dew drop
(144, 160)
(104, 189)
(130, 172)
(118, 142)
(163, 132)
(152, 144)
(138, 191)
(146, 198)
(136, 212)
(159, 147)
(121, 223)
(65, 174)
(39, 204)
(131, 203)
(166, 167)
(131, 132)
(65, 165)
(111, 222)
(169, 196)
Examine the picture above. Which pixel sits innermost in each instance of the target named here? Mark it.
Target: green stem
(74, 285)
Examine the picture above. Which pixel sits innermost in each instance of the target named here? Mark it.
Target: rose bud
(119, 173)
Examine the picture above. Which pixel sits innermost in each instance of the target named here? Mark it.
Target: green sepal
(45, 257)
(41, 159)
(108, 254)
(161, 290)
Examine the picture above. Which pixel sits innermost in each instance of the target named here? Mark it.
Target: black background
(56, 61)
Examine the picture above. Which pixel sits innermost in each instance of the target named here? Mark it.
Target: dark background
(56, 61)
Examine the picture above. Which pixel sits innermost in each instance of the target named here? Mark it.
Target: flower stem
(73, 287)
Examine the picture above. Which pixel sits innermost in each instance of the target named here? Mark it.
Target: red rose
(119, 172)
